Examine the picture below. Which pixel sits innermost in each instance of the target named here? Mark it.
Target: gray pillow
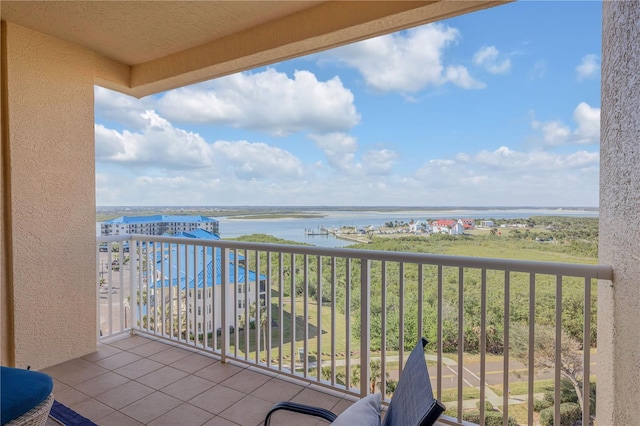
(365, 412)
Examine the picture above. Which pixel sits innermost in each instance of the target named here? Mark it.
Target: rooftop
(160, 218)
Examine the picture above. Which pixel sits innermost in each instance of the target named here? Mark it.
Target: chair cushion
(365, 412)
(21, 390)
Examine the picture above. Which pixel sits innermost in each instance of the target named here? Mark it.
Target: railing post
(365, 336)
(98, 278)
(224, 282)
(133, 267)
(586, 352)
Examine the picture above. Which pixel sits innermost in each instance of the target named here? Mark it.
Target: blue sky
(497, 108)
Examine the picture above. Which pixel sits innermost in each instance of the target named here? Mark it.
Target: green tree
(340, 376)
(375, 381)
(544, 359)
(253, 318)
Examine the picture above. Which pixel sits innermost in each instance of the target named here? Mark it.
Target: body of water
(294, 229)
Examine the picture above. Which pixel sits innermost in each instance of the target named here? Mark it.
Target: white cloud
(504, 158)
(109, 143)
(267, 101)
(509, 177)
(379, 162)
(162, 147)
(487, 58)
(340, 150)
(124, 109)
(408, 61)
(589, 67)
(587, 131)
(441, 163)
(538, 71)
(554, 132)
(503, 176)
(159, 144)
(257, 160)
(588, 120)
(459, 76)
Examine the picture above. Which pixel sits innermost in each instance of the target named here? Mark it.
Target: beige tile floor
(137, 380)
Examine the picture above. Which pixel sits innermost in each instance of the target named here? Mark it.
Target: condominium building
(157, 225)
(189, 280)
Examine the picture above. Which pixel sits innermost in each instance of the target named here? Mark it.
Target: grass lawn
(522, 388)
(451, 394)
(520, 412)
(484, 246)
(284, 327)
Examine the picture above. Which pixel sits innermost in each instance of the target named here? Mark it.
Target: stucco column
(618, 370)
(49, 251)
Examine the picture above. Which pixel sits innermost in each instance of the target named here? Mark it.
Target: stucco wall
(52, 189)
(619, 304)
(6, 339)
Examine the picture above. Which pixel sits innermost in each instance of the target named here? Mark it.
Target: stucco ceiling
(143, 47)
(134, 32)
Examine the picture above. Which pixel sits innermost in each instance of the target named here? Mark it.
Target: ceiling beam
(322, 27)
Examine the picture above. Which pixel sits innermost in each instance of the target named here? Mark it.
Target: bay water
(294, 228)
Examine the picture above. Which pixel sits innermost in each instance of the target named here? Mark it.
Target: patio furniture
(26, 397)
(412, 404)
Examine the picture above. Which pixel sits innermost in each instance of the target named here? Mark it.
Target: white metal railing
(318, 314)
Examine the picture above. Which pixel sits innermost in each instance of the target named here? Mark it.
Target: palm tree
(340, 376)
(375, 373)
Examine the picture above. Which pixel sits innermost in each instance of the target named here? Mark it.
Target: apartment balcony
(135, 380)
(478, 314)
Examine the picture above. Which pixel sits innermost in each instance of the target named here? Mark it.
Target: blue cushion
(21, 390)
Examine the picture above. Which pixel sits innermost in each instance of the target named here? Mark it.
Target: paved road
(471, 376)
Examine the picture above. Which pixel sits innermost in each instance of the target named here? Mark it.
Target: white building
(420, 226)
(195, 297)
(448, 226)
(157, 225)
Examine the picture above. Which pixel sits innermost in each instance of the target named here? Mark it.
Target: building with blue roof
(199, 233)
(190, 277)
(158, 225)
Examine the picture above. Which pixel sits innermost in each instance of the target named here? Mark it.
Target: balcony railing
(318, 314)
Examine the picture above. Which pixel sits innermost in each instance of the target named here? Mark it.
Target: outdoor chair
(26, 397)
(412, 404)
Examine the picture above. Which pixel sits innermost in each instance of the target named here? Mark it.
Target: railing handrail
(603, 272)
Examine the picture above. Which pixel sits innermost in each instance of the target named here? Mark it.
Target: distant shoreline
(226, 209)
(278, 216)
(309, 212)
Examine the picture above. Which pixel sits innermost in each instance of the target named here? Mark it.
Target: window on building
(199, 310)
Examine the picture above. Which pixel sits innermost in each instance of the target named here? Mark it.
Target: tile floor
(140, 381)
